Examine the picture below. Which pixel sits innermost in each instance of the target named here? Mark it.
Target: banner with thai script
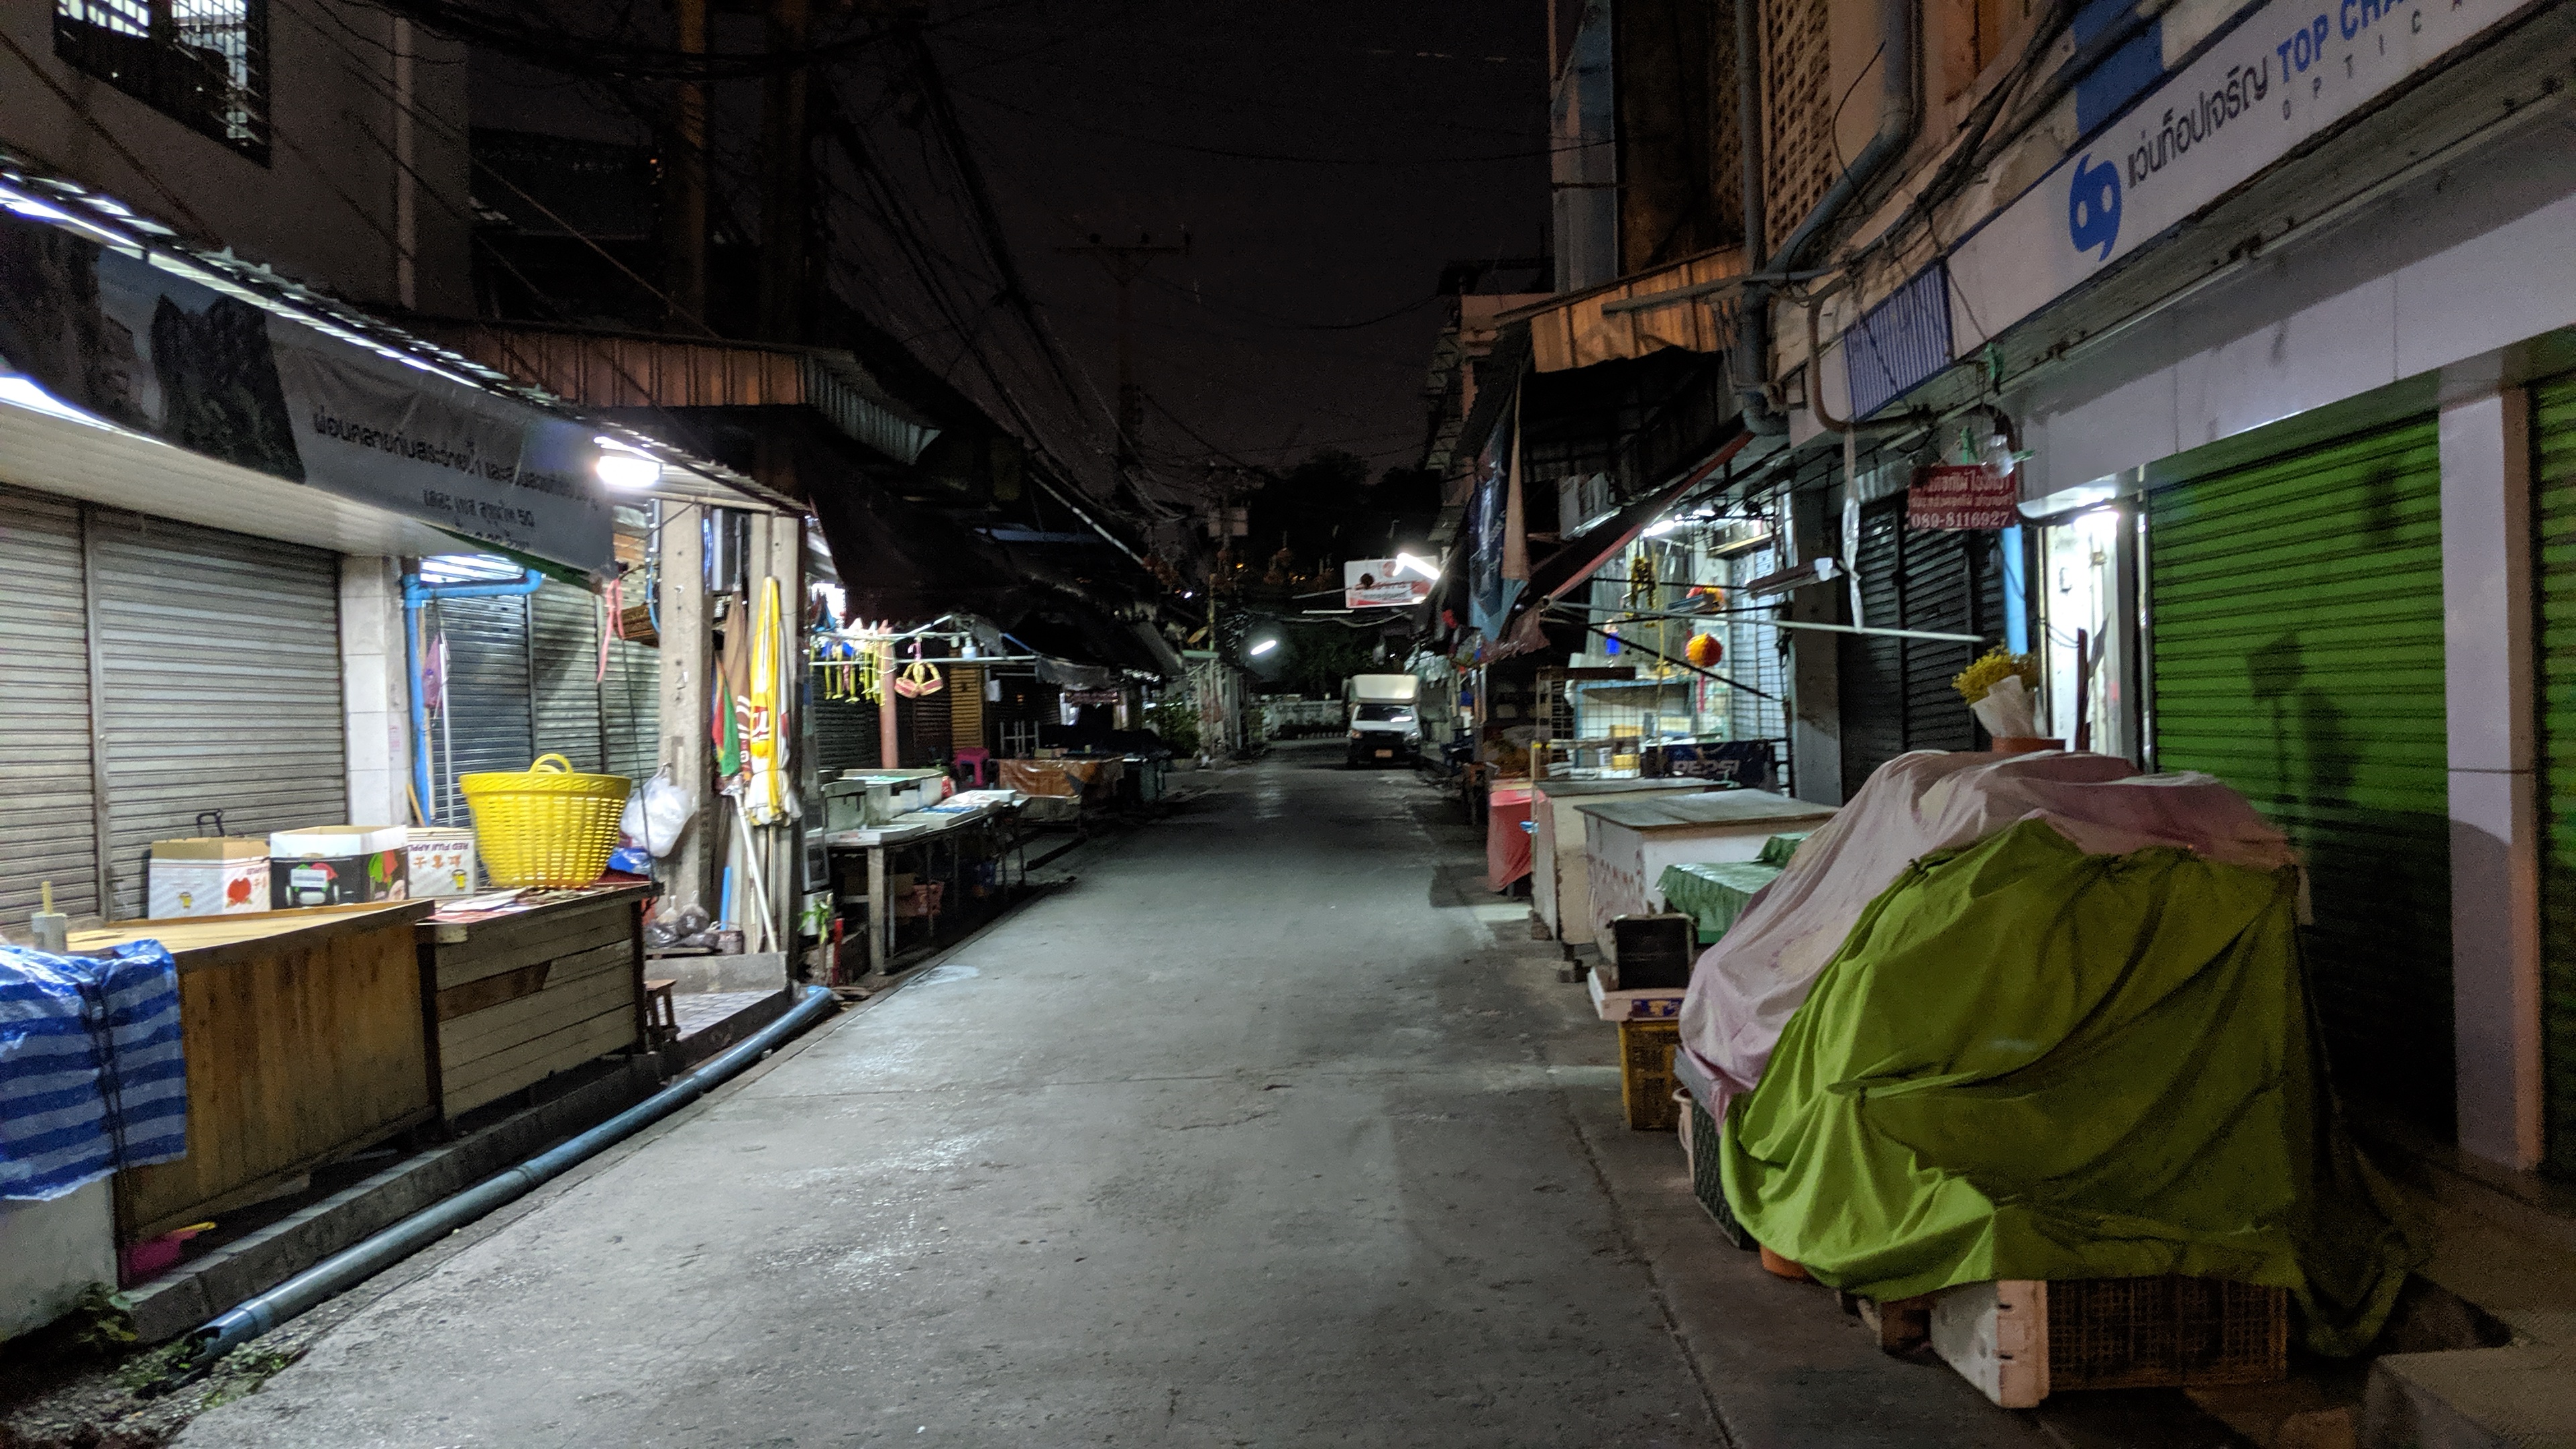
(1963, 496)
(142, 347)
(2286, 73)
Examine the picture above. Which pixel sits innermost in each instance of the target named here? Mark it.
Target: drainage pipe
(354, 1264)
(417, 592)
(1751, 364)
(1900, 107)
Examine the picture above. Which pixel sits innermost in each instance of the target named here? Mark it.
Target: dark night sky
(1373, 140)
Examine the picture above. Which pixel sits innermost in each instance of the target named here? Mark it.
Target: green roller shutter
(2553, 488)
(2296, 615)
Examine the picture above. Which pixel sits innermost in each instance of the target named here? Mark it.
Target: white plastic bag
(666, 811)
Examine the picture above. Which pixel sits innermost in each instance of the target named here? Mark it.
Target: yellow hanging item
(765, 801)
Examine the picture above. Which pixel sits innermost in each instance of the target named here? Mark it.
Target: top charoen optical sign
(2289, 71)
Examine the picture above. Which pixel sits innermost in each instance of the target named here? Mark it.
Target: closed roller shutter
(48, 823)
(490, 723)
(222, 686)
(1896, 693)
(2296, 614)
(966, 707)
(630, 707)
(2553, 425)
(564, 674)
(1753, 656)
(1872, 667)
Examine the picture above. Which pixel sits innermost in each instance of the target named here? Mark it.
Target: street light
(1261, 647)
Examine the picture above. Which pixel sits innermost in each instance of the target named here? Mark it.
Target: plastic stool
(975, 760)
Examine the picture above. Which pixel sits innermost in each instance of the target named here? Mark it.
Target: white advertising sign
(164, 354)
(1377, 583)
(2292, 69)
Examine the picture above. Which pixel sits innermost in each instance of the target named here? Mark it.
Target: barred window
(203, 63)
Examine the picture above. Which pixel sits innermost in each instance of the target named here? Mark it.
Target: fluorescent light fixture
(1261, 647)
(1405, 561)
(21, 392)
(621, 466)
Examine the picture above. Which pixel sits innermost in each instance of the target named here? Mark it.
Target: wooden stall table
(1634, 837)
(304, 1044)
(989, 815)
(1061, 789)
(527, 985)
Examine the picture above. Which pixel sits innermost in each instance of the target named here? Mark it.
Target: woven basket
(548, 825)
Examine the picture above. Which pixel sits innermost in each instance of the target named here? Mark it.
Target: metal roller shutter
(48, 823)
(1952, 586)
(966, 707)
(490, 721)
(563, 670)
(2553, 480)
(1872, 667)
(630, 709)
(222, 686)
(2296, 614)
(1896, 693)
(1753, 656)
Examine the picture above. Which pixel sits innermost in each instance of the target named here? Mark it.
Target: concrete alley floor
(1272, 1128)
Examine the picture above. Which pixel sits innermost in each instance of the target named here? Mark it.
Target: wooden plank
(466, 1040)
(491, 991)
(460, 964)
(494, 929)
(532, 934)
(502, 932)
(535, 1061)
(304, 1045)
(200, 942)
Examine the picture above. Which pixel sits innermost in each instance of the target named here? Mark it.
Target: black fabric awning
(902, 561)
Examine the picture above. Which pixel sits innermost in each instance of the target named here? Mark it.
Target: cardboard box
(206, 876)
(442, 862)
(338, 865)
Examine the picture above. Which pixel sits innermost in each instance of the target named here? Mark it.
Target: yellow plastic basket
(549, 825)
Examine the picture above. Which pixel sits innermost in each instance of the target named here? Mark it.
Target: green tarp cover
(2028, 1062)
(1713, 893)
(1778, 849)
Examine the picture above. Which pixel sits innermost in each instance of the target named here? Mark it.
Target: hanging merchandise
(764, 802)
(919, 678)
(1704, 650)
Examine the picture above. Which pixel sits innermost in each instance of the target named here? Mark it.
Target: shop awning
(1582, 556)
(1605, 324)
(107, 321)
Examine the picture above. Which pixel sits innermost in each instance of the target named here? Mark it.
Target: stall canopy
(1686, 305)
(107, 321)
(1580, 557)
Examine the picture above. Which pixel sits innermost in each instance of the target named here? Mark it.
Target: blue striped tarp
(92, 1072)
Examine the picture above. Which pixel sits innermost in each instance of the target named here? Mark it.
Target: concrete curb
(197, 1290)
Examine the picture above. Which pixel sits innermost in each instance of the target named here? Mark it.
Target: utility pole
(684, 193)
(785, 213)
(1125, 264)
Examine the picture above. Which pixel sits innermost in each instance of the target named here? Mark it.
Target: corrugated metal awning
(635, 370)
(1608, 324)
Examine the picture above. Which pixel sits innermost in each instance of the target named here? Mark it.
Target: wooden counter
(304, 1043)
(522, 994)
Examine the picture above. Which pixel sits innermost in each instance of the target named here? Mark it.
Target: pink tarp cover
(1748, 985)
(1507, 844)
